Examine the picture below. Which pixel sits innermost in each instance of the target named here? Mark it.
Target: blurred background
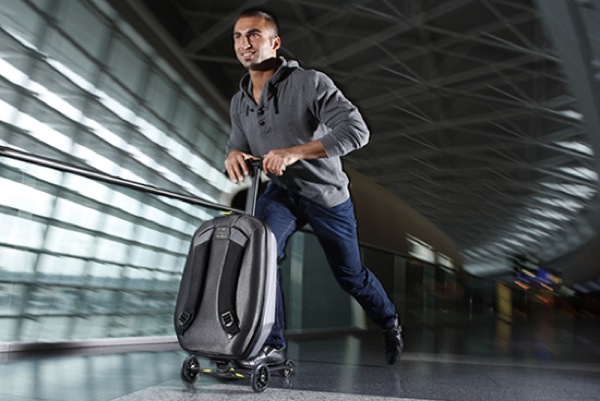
(477, 196)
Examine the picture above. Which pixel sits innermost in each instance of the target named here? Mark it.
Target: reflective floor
(547, 357)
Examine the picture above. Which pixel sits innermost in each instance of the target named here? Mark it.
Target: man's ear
(276, 43)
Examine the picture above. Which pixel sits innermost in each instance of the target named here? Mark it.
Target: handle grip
(252, 197)
(255, 166)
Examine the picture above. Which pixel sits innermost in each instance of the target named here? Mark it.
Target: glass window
(86, 28)
(110, 251)
(64, 52)
(76, 214)
(25, 198)
(127, 68)
(59, 266)
(68, 242)
(38, 127)
(44, 328)
(15, 261)
(125, 203)
(185, 115)
(20, 20)
(76, 89)
(103, 301)
(139, 275)
(92, 326)
(118, 227)
(20, 231)
(7, 326)
(161, 95)
(174, 263)
(109, 272)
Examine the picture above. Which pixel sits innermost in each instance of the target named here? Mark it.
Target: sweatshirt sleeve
(347, 129)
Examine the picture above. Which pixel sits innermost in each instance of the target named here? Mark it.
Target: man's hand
(236, 167)
(277, 160)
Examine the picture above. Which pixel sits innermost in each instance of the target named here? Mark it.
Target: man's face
(254, 41)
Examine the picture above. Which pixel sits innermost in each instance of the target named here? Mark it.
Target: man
(301, 124)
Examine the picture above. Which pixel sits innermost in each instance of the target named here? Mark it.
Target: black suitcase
(226, 302)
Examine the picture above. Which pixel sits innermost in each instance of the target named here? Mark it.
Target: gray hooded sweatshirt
(298, 106)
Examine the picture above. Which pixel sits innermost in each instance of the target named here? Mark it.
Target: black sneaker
(393, 345)
(269, 356)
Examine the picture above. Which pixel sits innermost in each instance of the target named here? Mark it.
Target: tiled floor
(550, 357)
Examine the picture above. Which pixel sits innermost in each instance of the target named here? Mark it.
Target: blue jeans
(335, 227)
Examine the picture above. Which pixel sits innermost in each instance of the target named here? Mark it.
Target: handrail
(61, 166)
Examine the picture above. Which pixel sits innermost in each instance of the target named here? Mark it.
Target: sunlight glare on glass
(542, 224)
(575, 115)
(548, 214)
(580, 172)
(577, 146)
(579, 190)
(11, 73)
(60, 141)
(568, 204)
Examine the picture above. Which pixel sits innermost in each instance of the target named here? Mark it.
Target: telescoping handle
(255, 166)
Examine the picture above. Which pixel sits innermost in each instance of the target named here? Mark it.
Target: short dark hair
(261, 12)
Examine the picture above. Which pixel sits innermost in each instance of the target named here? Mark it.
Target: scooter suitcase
(225, 307)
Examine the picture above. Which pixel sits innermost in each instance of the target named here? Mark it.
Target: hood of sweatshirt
(286, 68)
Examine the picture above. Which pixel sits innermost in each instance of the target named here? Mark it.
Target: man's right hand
(236, 166)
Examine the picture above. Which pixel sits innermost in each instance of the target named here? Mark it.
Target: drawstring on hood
(272, 92)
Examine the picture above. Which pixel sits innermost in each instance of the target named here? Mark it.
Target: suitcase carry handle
(255, 169)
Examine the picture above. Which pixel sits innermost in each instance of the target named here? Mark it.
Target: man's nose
(245, 41)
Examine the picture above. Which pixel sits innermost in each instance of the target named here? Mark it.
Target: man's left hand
(277, 160)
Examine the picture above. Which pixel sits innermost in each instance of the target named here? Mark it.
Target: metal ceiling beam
(472, 135)
(393, 31)
(565, 25)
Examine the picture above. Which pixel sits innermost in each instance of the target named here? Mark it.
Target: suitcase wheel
(259, 378)
(190, 369)
(288, 369)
